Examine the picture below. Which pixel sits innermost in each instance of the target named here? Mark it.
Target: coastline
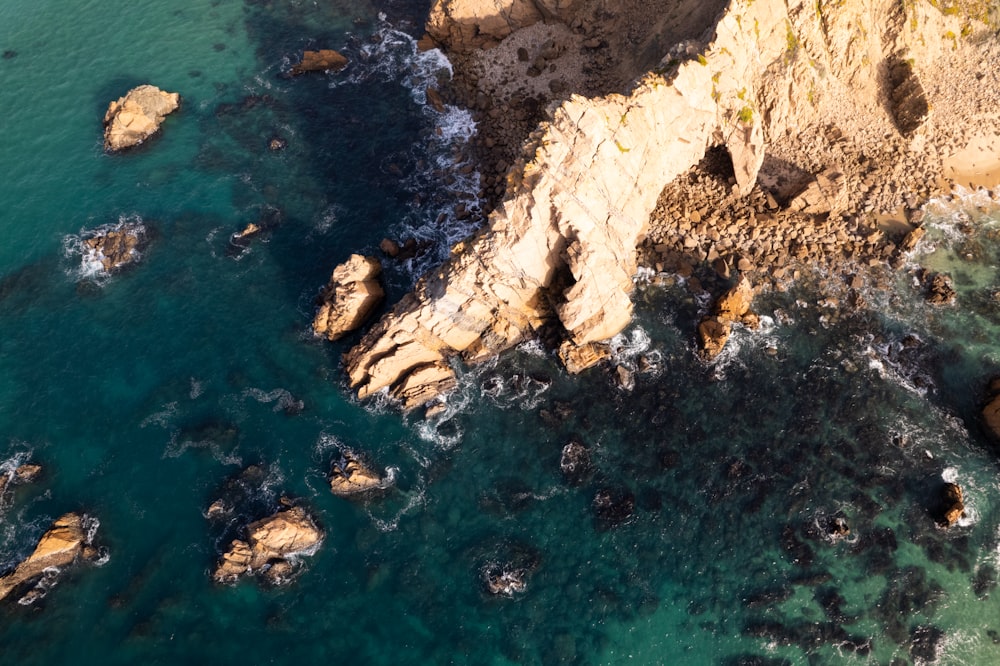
(826, 160)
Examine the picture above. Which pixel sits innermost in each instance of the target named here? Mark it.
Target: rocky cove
(783, 457)
(758, 138)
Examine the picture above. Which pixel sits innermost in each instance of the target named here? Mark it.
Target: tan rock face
(320, 61)
(270, 541)
(952, 504)
(350, 297)
(350, 476)
(59, 547)
(562, 243)
(285, 533)
(137, 116)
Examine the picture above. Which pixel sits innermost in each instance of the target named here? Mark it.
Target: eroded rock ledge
(560, 249)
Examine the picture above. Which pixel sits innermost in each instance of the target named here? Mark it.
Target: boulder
(939, 289)
(27, 473)
(952, 504)
(137, 116)
(350, 476)
(115, 247)
(350, 298)
(732, 307)
(319, 61)
(270, 542)
(577, 358)
(575, 463)
(66, 541)
(991, 411)
(505, 581)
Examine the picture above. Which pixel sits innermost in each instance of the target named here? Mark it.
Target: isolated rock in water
(25, 473)
(939, 289)
(350, 476)
(115, 247)
(732, 307)
(270, 541)
(137, 116)
(952, 504)
(505, 581)
(575, 463)
(991, 411)
(62, 545)
(350, 297)
(319, 61)
(577, 358)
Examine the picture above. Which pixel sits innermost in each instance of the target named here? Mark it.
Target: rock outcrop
(731, 308)
(271, 543)
(350, 298)
(116, 246)
(350, 476)
(66, 541)
(952, 504)
(319, 61)
(24, 473)
(991, 410)
(137, 116)
(560, 248)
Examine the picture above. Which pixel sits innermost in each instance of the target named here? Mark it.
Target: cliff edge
(559, 250)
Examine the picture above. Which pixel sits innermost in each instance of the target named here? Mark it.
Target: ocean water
(147, 393)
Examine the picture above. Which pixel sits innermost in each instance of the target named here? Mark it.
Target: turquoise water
(144, 394)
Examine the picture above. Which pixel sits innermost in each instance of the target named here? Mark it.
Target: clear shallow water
(142, 394)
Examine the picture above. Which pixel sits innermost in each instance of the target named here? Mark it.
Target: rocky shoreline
(772, 149)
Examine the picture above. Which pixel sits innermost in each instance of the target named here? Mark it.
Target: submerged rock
(613, 507)
(66, 541)
(270, 544)
(350, 298)
(506, 582)
(137, 116)
(350, 476)
(319, 61)
(575, 463)
(26, 473)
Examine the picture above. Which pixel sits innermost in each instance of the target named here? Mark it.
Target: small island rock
(350, 298)
(137, 116)
(732, 307)
(115, 247)
(350, 476)
(952, 504)
(62, 545)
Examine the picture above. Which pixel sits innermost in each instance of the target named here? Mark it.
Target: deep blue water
(145, 393)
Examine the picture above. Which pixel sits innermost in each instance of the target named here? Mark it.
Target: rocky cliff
(560, 248)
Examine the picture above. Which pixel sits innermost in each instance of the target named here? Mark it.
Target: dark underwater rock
(985, 581)
(925, 643)
(613, 507)
(575, 463)
(798, 551)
